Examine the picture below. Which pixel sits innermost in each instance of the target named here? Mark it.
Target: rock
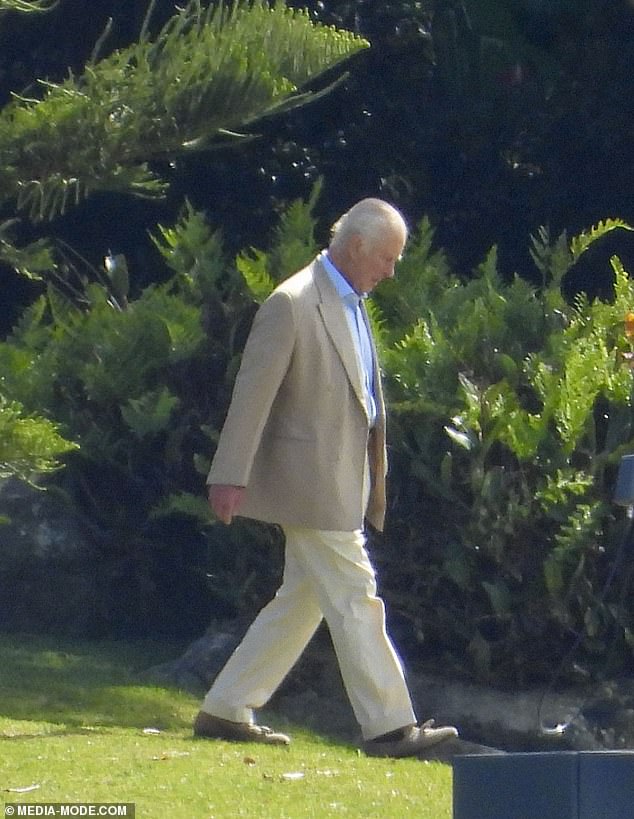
(37, 526)
(47, 580)
(518, 721)
(196, 668)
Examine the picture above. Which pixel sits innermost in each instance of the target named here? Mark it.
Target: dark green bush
(509, 411)
(141, 386)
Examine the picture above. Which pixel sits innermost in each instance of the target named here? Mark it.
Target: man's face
(372, 261)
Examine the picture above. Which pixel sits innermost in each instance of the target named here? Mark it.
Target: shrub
(140, 386)
(509, 411)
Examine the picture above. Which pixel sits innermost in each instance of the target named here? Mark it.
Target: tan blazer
(297, 431)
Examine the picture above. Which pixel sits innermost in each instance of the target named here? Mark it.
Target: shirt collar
(343, 287)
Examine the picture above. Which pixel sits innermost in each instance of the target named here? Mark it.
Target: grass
(74, 722)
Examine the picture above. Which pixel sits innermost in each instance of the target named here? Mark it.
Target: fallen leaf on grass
(170, 755)
(27, 789)
(291, 776)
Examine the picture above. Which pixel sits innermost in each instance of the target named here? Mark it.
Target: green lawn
(77, 726)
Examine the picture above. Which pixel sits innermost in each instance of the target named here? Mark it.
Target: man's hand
(225, 500)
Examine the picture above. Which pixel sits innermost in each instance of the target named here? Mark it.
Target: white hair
(371, 219)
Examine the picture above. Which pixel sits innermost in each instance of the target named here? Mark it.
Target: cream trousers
(326, 575)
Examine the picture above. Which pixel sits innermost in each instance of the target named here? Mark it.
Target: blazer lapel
(334, 317)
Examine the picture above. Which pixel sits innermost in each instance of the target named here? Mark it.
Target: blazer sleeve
(265, 361)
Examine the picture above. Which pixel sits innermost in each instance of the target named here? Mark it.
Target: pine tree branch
(208, 72)
(26, 6)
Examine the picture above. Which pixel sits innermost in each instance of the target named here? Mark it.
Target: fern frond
(151, 413)
(29, 445)
(422, 277)
(194, 251)
(30, 331)
(379, 326)
(30, 261)
(65, 314)
(553, 259)
(253, 267)
(294, 244)
(184, 503)
(579, 244)
(581, 531)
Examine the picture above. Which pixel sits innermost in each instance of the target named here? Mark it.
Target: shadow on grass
(56, 687)
(84, 686)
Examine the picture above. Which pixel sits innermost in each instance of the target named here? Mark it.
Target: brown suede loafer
(210, 727)
(413, 740)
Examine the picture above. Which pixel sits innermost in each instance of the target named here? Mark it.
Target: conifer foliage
(25, 6)
(213, 68)
(210, 70)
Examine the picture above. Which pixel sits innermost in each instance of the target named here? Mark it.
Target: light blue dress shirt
(359, 331)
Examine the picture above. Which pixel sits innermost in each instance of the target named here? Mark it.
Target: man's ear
(356, 245)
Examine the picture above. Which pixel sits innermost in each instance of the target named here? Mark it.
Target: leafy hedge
(510, 409)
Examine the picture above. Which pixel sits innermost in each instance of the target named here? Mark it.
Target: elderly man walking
(303, 446)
